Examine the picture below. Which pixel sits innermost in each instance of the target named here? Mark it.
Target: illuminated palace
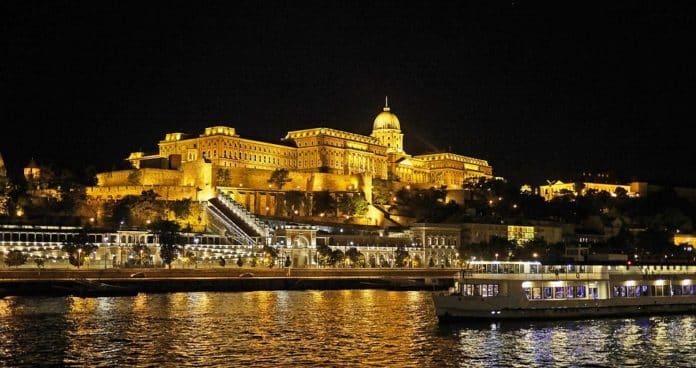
(317, 159)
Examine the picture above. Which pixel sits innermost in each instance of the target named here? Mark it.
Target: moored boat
(519, 290)
(92, 288)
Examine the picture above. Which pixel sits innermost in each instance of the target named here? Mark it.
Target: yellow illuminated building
(324, 150)
(477, 233)
(317, 159)
(685, 239)
(558, 188)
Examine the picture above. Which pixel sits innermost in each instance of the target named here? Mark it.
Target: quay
(43, 282)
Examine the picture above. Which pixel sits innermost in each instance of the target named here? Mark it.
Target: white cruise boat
(519, 290)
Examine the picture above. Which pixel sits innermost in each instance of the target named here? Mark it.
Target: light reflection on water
(317, 329)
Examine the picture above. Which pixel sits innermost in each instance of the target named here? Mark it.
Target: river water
(350, 328)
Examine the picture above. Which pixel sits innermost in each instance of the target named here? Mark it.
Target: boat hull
(92, 289)
(452, 308)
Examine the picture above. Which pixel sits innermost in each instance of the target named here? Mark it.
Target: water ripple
(350, 328)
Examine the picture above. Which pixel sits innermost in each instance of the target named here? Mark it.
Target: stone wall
(146, 176)
(165, 192)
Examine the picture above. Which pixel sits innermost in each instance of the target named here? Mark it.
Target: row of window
(249, 147)
(561, 292)
(653, 290)
(95, 238)
(484, 290)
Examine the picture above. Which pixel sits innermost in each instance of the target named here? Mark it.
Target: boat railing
(536, 276)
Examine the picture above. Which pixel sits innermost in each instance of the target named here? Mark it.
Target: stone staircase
(237, 221)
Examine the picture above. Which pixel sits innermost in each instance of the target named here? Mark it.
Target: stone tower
(387, 129)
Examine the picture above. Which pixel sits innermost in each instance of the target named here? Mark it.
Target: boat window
(559, 292)
(619, 291)
(639, 290)
(486, 290)
(657, 290)
(536, 293)
(594, 292)
(632, 291)
(548, 293)
(468, 290)
(676, 290)
(580, 291)
(570, 292)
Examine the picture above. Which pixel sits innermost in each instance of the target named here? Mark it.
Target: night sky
(540, 91)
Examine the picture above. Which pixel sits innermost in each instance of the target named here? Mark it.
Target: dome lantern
(386, 119)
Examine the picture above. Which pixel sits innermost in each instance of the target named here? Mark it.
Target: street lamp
(79, 259)
(106, 240)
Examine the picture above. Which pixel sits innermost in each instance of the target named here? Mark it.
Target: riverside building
(317, 159)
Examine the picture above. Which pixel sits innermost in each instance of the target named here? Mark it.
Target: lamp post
(79, 257)
(106, 245)
(345, 256)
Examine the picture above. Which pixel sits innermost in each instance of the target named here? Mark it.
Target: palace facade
(317, 159)
(325, 150)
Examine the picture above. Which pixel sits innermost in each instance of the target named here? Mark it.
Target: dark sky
(542, 92)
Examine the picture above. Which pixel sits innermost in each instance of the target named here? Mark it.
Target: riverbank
(55, 282)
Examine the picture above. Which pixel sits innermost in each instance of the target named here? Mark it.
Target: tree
(223, 177)
(383, 262)
(240, 261)
(417, 262)
(324, 254)
(381, 191)
(39, 262)
(288, 261)
(78, 248)
(431, 262)
(293, 201)
(181, 208)
(279, 178)
(400, 256)
(623, 242)
(140, 250)
(621, 192)
(337, 256)
(359, 205)
(656, 243)
(222, 262)
(5, 191)
(169, 239)
(15, 258)
(353, 255)
(146, 207)
(578, 187)
(425, 205)
(353, 205)
(119, 211)
(323, 202)
(271, 255)
(190, 257)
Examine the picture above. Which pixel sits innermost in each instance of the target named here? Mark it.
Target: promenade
(43, 282)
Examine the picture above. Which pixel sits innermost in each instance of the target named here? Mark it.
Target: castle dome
(386, 119)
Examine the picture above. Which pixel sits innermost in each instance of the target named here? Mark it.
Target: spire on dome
(386, 103)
